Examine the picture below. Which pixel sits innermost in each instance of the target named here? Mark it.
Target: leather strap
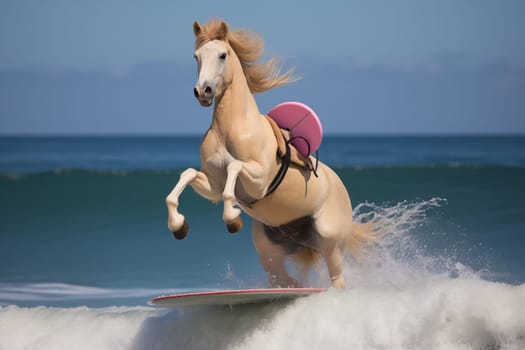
(285, 164)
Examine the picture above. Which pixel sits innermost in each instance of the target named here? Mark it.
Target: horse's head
(214, 59)
(221, 53)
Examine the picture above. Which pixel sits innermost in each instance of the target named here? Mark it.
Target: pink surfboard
(302, 122)
(233, 297)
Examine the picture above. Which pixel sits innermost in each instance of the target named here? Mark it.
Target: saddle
(288, 154)
(283, 143)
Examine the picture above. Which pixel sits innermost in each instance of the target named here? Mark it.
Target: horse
(308, 216)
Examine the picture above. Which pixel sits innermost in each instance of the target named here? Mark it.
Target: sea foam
(444, 314)
(437, 314)
(69, 328)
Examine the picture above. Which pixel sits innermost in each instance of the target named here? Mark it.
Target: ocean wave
(47, 292)
(441, 313)
(398, 297)
(71, 328)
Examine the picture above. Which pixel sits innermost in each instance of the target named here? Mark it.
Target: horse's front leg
(231, 215)
(253, 172)
(199, 182)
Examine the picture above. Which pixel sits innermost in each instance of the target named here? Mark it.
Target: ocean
(84, 244)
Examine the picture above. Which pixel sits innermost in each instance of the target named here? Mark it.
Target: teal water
(84, 223)
(91, 212)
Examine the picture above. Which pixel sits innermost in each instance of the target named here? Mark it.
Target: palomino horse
(308, 215)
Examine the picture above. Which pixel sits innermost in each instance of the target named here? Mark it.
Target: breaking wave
(398, 297)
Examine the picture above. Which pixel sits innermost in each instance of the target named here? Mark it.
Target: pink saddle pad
(302, 122)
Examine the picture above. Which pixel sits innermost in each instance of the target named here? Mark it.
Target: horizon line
(192, 135)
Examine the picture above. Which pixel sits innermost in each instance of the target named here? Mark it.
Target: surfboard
(233, 297)
(305, 127)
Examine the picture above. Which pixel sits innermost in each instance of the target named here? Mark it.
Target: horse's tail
(362, 236)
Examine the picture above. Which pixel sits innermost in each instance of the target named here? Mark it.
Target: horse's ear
(197, 29)
(224, 30)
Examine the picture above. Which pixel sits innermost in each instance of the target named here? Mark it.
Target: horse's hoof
(182, 232)
(235, 225)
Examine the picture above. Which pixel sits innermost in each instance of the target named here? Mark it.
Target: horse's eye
(196, 58)
(222, 56)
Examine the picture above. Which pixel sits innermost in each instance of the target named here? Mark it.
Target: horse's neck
(236, 110)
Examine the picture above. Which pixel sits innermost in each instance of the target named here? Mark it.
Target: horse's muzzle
(204, 96)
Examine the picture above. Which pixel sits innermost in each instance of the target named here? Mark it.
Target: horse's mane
(249, 48)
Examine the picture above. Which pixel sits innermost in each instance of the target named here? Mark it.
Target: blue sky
(403, 66)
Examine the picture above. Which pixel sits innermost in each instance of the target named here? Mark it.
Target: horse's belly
(294, 235)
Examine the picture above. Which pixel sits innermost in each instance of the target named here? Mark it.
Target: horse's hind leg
(333, 257)
(272, 258)
(333, 227)
(199, 182)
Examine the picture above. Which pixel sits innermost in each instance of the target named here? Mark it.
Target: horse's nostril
(196, 92)
(208, 91)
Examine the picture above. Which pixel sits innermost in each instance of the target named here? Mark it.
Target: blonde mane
(249, 48)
